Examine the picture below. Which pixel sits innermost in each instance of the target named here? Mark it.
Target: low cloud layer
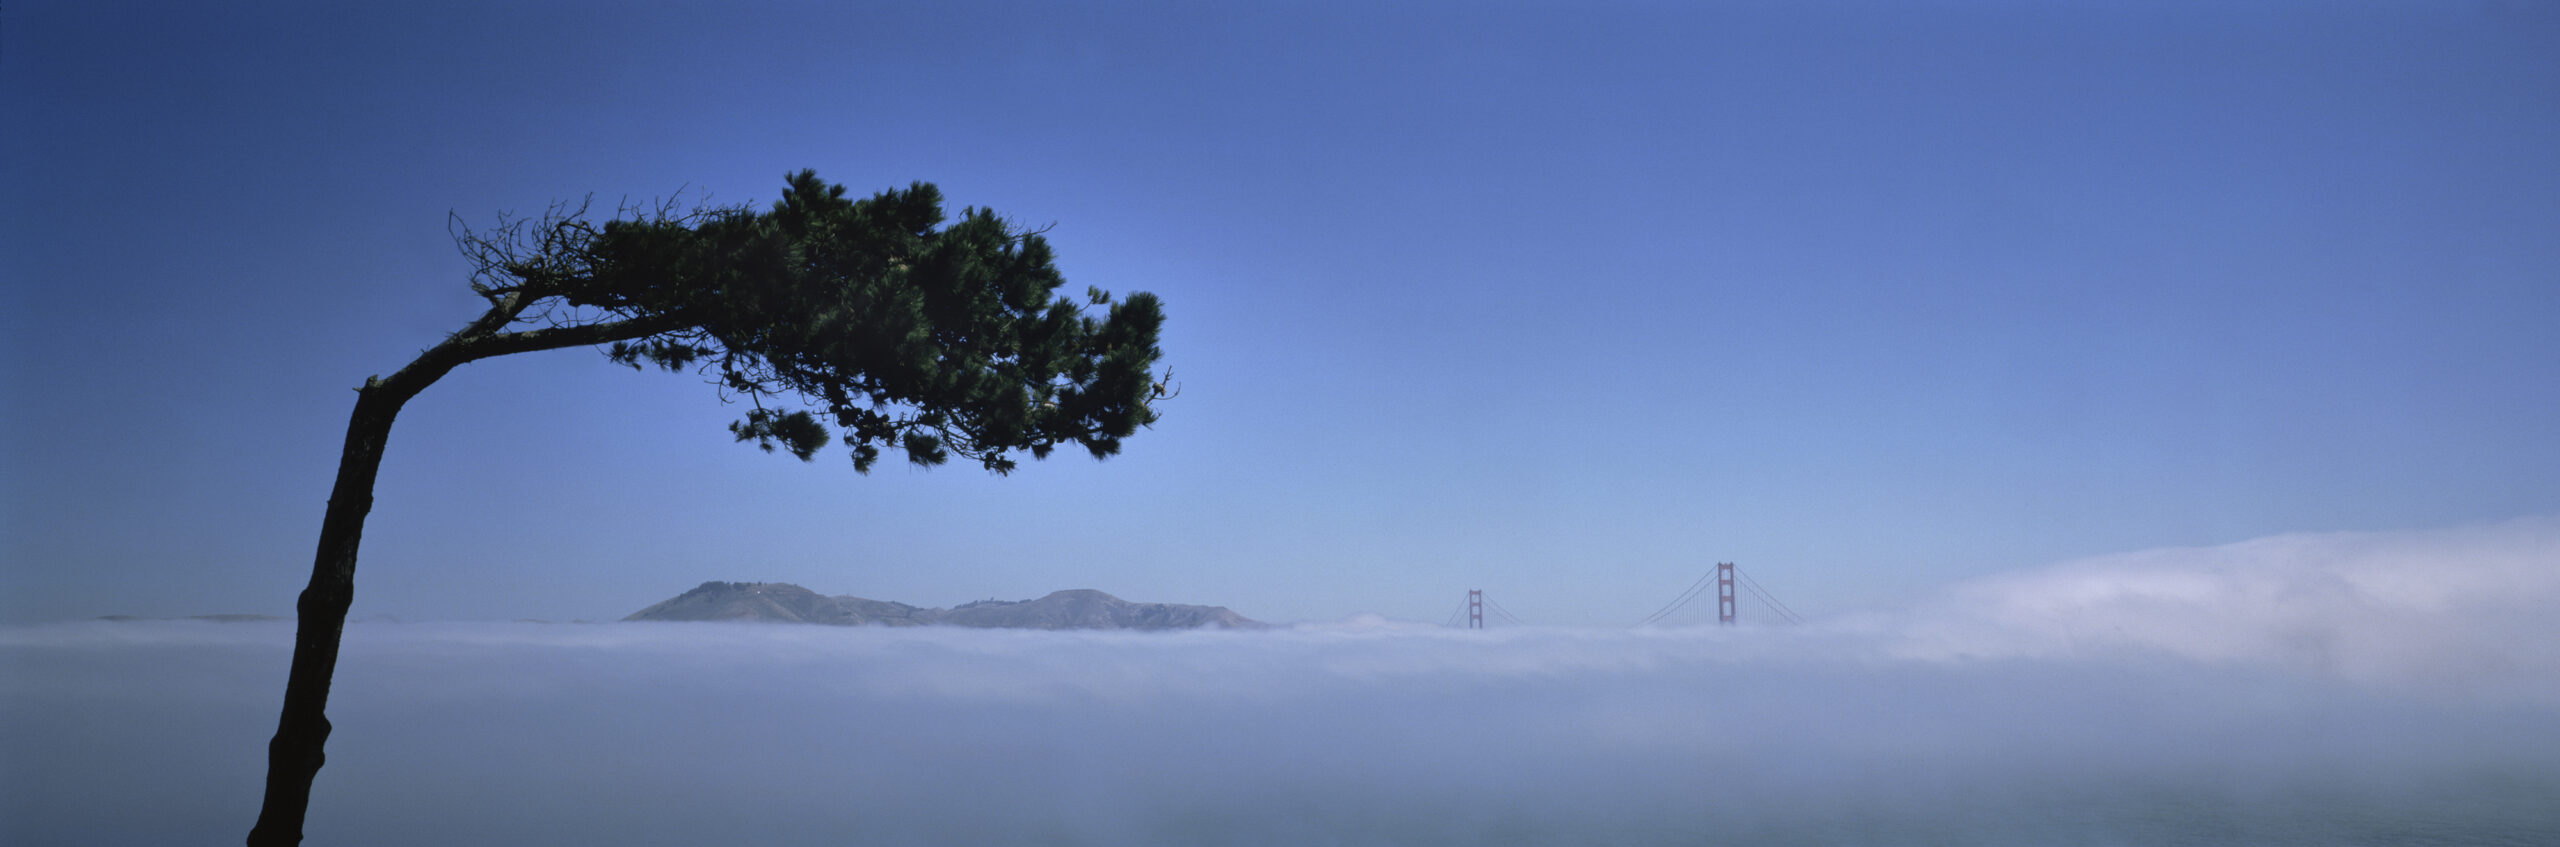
(2466, 611)
(2390, 688)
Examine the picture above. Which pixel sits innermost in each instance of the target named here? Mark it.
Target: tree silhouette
(866, 317)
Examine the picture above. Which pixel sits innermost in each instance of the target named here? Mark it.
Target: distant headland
(1083, 608)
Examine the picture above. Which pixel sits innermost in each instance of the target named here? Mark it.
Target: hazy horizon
(2398, 688)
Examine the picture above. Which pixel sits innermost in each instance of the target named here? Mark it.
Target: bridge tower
(1724, 593)
(1475, 608)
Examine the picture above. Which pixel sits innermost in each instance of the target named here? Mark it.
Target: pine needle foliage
(869, 317)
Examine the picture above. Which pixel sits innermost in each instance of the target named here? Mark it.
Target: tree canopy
(870, 314)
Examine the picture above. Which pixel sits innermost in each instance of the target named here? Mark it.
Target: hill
(783, 602)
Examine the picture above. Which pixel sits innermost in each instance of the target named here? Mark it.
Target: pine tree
(866, 321)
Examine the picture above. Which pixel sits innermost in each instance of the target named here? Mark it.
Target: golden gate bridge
(1725, 579)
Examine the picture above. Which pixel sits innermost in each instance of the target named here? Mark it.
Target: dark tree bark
(294, 756)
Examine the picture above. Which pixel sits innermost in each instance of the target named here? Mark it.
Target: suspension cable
(1682, 600)
(1781, 608)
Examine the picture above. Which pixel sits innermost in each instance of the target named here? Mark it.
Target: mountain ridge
(1079, 608)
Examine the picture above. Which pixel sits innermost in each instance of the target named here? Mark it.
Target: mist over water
(2249, 702)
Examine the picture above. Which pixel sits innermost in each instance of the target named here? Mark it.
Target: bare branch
(573, 335)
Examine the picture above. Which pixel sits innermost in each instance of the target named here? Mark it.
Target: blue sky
(1563, 302)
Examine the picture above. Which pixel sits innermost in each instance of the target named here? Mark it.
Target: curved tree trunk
(294, 757)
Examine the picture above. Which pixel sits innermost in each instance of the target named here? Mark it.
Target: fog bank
(2464, 611)
(2294, 690)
